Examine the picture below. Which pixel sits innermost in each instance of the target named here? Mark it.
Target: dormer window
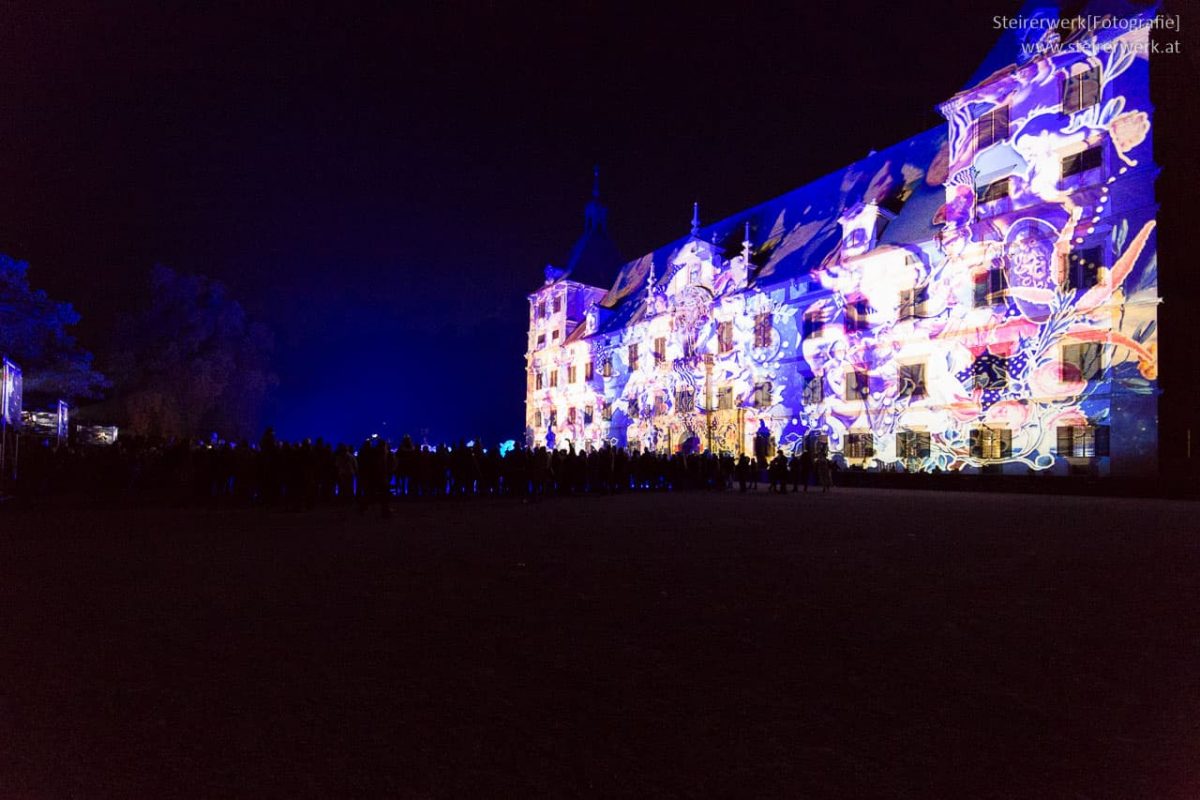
(992, 127)
(1082, 89)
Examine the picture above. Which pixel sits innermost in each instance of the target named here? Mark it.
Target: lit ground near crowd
(860, 644)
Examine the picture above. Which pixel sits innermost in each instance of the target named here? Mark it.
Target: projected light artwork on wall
(982, 296)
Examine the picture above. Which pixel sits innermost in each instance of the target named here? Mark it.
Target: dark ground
(862, 644)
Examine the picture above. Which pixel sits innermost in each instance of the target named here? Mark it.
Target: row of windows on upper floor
(1072, 165)
(1080, 91)
(990, 288)
(685, 402)
(1078, 362)
(540, 311)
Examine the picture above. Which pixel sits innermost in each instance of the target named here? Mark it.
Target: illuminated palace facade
(980, 297)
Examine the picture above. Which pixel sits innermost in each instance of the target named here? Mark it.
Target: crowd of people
(302, 475)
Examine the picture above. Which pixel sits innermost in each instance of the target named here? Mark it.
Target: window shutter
(976, 443)
(1102, 440)
(868, 445)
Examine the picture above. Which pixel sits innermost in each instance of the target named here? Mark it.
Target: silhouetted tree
(35, 333)
(192, 363)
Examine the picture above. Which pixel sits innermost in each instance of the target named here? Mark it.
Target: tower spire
(695, 218)
(595, 215)
(746, 245)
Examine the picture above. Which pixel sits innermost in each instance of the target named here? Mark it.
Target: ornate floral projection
(981, 296)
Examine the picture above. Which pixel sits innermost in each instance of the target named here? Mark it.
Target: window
(991, 443)
(859, 445)
(912, 302)
(606, 366)
(992, 127)
(857, 385)
(557, 303)
(541, 340)
(539, 380)
(814, 324)
(990, 287)
(537, 419)
(632, 405)
(912, 381)
(660, 403)
(606, 412)
(1081, 362)
(660, 350)
(857, 313)
(724, 398)
(685, 401)
(553, 417)
(814, 391)
(553, 378)
(1081, 91)
(1081, 162)
(1083, 269)
(588, 415)
(1083, 441)
(762, 394)
(912, 444)
(571, 415)
(554, 336)
(571, 373)
(541, 309)
(688, 348)
(633, 355)
(996, 190)
(762, 329)
(589, 370)
(724, 336)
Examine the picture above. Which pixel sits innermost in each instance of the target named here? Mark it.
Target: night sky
(383, 186)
